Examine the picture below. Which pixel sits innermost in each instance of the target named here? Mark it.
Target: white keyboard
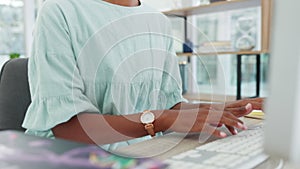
(241, 151)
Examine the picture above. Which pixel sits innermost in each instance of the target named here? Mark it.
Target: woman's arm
(184, 106)
(103, 129)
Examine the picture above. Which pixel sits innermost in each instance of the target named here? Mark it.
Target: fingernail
(222, 134)
(248, 106)
(242, 126)
(235, 131)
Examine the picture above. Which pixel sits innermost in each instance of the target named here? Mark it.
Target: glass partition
(241, 30)
(11, 27)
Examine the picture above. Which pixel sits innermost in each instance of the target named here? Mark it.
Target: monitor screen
(282, 128)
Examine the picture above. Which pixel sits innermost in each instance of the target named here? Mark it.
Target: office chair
(14, 94)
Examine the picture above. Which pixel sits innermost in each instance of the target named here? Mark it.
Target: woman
(96, 69)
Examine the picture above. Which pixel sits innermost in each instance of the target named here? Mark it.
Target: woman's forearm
(103, 129)
(186, 106)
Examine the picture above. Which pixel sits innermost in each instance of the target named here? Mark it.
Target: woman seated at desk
(104, 71)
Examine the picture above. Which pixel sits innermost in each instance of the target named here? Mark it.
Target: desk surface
(174, 143)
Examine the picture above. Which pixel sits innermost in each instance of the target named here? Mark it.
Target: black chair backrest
(14, 94)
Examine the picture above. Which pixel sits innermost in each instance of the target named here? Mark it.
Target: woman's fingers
(257, 103)
(238, 108)
(207, 121)
(234, 123)
(258, 100)
(224, 117)
(257, 106)
(241, 111)
(232, 130)
(217, 125)
(232, 116)
(213, 131)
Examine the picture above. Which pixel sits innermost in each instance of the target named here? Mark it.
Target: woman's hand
(204, 120)
(238, 107)
(241, 108)
(228, 113)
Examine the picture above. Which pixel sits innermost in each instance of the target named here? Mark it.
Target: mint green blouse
(93, 56)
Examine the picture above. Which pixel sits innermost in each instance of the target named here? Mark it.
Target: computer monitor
(282, 128)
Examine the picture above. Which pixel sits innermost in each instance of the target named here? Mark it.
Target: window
(11, 27)
(17, 18)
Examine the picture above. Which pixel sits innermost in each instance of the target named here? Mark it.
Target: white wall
(160, 4)
(29, 19)
(171, 4)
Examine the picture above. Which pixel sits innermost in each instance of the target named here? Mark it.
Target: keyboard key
(226, 153)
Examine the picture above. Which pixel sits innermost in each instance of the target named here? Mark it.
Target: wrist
(164, 119)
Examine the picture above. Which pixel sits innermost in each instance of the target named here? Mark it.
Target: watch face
(147, 117)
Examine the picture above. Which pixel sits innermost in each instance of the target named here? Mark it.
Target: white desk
(175, 143)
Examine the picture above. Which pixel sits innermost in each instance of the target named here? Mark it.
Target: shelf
(223, 53)
(265, 7)
(220, 6)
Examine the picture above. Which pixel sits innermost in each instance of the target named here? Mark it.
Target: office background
(17, 19)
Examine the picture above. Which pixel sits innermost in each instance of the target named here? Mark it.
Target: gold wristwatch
(147, 118)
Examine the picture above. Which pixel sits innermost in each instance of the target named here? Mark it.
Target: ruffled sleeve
(56, 87)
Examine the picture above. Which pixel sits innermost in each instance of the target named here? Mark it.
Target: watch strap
(150, 129)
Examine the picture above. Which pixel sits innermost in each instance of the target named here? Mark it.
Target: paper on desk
(256, 114)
